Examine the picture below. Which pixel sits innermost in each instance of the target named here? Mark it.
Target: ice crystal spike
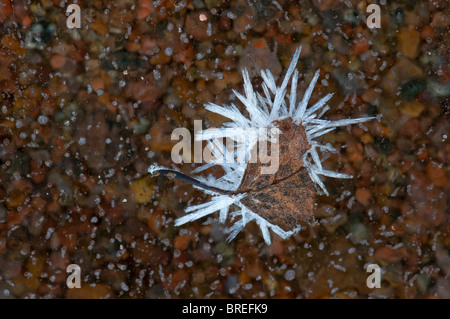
(274, 105)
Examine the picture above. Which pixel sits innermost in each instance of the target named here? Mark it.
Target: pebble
(182, 242)
(440, 20)
(363, 196)
(408, 42)
(383, 145)
(57, 61)
(39, 35)
(257, 56)
(200, 30)
(142, 190)
(412, 88)
(160, 58)
(412, 108)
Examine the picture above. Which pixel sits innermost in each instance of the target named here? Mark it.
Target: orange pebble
(363, 196)
(427, 32)
(182, 242)
(98, 84)
(26, 21)
(57, 61)
(360, 46)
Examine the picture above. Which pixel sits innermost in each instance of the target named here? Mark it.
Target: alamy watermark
(73, 20)
(373, 280)
(374, 19)
(74, 16)
(74, 279)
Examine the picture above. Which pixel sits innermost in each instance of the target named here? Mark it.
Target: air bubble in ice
(42, 119)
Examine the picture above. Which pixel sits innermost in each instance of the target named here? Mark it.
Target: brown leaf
(286, 197)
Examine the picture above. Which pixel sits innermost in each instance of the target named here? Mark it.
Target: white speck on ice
(156, 74)
(81, 141)
(168, 51)
(42, 119)
(289, 275)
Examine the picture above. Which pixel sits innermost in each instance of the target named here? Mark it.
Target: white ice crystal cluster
(263, 109)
